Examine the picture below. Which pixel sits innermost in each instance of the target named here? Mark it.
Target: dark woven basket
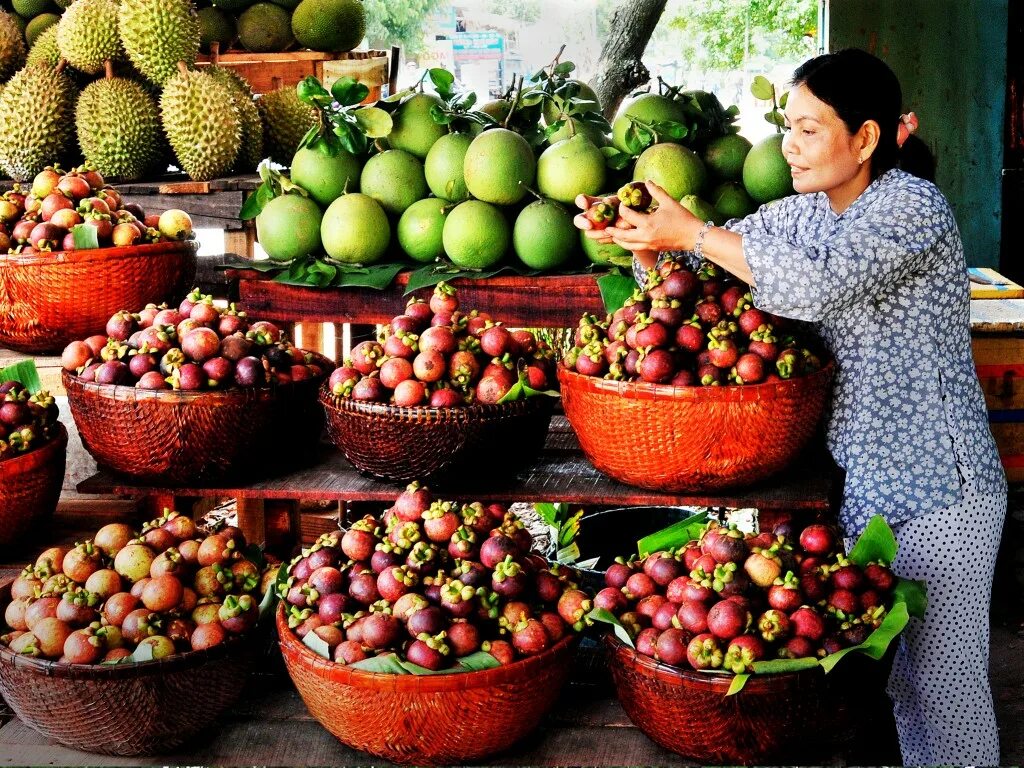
(692, 438)
(435, 444)
(184, 438)
(792, 716)
(129, 709)
(30, 488)
(48, 300)
(432, 719)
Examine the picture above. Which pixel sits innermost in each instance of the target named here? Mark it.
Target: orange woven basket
(790, 716)
(30, 488)
(127, 709)
(185, 438)
(429, 444)
(692, 438)
(48, 300)
(427, 719)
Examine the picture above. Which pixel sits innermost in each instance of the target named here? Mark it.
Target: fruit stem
(532, 191)
(515, 102)
(215, 52)
(108, 69)
(554, 61)
(183, 68)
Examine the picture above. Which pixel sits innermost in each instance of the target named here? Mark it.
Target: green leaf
(142, 653)
(255, 202)
(762, 88)
(514, 393)
(443, 81)
(876, 544)
(317, 645)
(269, 601)
(387, 663)
(615, 159)
(775, 118)
(674, 536)
(549, 513)
(348, 91)
(607, 617)
(568, 554)
(554, 128)
(85, 236)
(351, 139)
(25, 373)
(532, 100)
(466, 103)
(671, 129)
(309, 90)
(374, 122)
(878, 641)
(779, 666)
(475, 662)
(914, 594)
(737, 684)
(783, 100)
(615, 289)
(564, 68)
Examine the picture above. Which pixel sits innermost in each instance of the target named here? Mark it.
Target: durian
(157, 34)
(87, 35)
(12, 46)
(37, 112)
(286, 120)
(118, 128)
(45, 51)
(202, 123)
(251, 151)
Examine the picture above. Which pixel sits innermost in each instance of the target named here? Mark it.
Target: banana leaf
(25, 373)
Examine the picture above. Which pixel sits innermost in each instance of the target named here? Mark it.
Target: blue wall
(950, 57)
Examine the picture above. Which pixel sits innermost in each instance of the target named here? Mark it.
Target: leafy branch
(762, 88)
(341, 121)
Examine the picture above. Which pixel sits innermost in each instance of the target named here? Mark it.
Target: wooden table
(560, 473)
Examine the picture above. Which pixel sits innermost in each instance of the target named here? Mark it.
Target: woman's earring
(861, 161)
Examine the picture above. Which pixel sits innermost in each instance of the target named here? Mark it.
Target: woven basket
(434, 444)
(176, 438)
(48, 300)
(129, 709)
(427, 719)
(692, 438)
(30, 488)
(689, 713)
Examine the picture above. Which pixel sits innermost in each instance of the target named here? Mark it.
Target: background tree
(399, 23)
(621, 69)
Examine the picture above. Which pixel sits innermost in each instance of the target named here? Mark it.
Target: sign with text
(478, 46)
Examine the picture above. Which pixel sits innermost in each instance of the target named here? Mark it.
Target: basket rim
(770, 390)
(84, 255)
(208, 397)
(465, 412)
(717, 680)
(37, 457)
(345, 675)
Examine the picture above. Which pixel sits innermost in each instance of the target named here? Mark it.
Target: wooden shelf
(546, 301)
(561, 473)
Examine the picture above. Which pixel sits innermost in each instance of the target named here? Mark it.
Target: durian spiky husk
(286, 119)
(87, 35)
(202, 124)
(12, 46)
(157, 34)
(118, 128)
(251, 151)
(37, 112)
(45, 49)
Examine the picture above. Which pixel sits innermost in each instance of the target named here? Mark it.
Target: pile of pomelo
(488, 196)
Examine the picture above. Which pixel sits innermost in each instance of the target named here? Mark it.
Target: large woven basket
(48, 300)
(478, 442)
(126, 709)
(30, 488)
(427, 719)
(176, 438)
(692, 438)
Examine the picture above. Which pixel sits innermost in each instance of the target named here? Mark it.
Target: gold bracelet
(699, 245)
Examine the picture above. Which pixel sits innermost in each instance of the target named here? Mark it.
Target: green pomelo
(605, 254)
(766, 175)
(476, 235)
(553, 108)
(394, 179)
(724, 157)
(702, 209)
(288, 227)
(570, 168)
(329, 25)
(678, 170)
(572, 125)
(265, 27)
(544, 236)
(648, 108)
(414, 129)
(420, 230)
(444, 164)
(355, 230)
(498, 109)
(326, 177)
(499, 167)
(732, 200)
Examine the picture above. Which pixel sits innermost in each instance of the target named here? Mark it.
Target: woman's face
(822, 154)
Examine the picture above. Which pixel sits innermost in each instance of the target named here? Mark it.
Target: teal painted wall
(950, 57)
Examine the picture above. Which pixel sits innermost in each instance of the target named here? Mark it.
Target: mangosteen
(200, 344)
(235, 347)
(112, 372)
(250, 372)
(219, 371)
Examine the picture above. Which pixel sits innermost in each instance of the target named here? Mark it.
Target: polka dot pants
(939, 684)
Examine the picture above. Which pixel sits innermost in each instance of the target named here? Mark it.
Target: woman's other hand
(583, 202)
(669, 228)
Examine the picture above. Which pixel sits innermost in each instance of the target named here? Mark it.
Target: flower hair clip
(908, 125)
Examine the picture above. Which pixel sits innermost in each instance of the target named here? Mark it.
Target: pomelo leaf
(762, 88)
(877, 543)
(348, 91)
(311, 90)
(607, 617)
(783, 100)
(673, 536)
(374, 122)
(25, 373)
(738, 682)
(564, 68)
(85, 236)
(317, 645)
(443, 81)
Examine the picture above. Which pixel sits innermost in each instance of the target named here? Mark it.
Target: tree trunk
(620, 69)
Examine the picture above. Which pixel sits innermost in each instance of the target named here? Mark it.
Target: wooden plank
(560, 473)
(997, 316)
(998, 350)
(252, 519)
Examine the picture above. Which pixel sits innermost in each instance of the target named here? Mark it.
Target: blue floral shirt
(885, 286)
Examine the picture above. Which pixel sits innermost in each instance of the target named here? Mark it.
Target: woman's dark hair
(862, 87)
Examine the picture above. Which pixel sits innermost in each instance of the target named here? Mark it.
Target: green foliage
(715, 33)
(399, 23)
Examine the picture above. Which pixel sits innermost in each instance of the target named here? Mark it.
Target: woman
(871, 255)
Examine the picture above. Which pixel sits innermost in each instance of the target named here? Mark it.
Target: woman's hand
(669, 228)
(583, 202)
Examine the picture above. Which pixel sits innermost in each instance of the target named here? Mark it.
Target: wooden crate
(998, 345)
(270, 71)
